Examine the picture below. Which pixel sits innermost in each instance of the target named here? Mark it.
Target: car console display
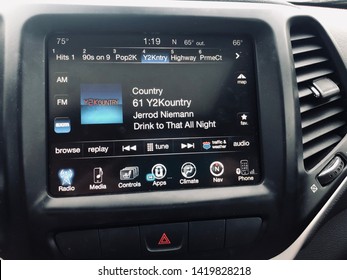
(151, 112)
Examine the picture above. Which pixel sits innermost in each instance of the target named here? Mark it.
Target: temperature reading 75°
(62, 41)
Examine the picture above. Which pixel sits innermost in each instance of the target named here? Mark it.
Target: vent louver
(321, 96)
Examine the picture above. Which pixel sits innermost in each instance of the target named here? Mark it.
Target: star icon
(244, 117)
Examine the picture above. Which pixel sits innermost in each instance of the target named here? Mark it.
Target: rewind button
(128, 148)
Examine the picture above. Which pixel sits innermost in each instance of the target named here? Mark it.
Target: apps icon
(66, 176)
(62, 125)
(188, 170)
(159, 171)
(217, 168)
(98, 175)
(129, 173)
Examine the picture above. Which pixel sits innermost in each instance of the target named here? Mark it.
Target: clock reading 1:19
(152, 41)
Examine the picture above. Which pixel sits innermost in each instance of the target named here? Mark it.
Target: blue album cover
(101, 104)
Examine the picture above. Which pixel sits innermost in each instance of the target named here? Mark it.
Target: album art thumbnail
(101, 104)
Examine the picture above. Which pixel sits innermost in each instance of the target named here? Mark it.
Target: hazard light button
(164, 238)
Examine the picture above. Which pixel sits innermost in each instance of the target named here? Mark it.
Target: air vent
(321, 95)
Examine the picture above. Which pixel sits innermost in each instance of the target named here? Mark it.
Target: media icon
(217, 168)
(129, 173)
(66, 176)
(188, 170)
(98, 175)
(159, 171)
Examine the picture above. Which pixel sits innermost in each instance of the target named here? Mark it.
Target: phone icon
(244, 166)
(98, 175)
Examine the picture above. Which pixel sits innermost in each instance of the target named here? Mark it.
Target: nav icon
(217, 168)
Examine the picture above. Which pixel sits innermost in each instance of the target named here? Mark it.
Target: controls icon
(188, 170)
(129, 173)
(62, 125)
(217, 168)
(98, 175)
(66, 176)
(159, 171)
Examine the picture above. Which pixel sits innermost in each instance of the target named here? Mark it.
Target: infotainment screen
(151, 112)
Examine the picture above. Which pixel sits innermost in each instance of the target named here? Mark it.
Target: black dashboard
(172, 129)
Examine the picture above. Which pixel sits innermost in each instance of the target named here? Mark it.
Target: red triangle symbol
(164, 240)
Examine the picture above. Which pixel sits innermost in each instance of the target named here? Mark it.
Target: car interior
(173, 129)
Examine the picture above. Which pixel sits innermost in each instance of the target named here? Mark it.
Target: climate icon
(188, 170)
